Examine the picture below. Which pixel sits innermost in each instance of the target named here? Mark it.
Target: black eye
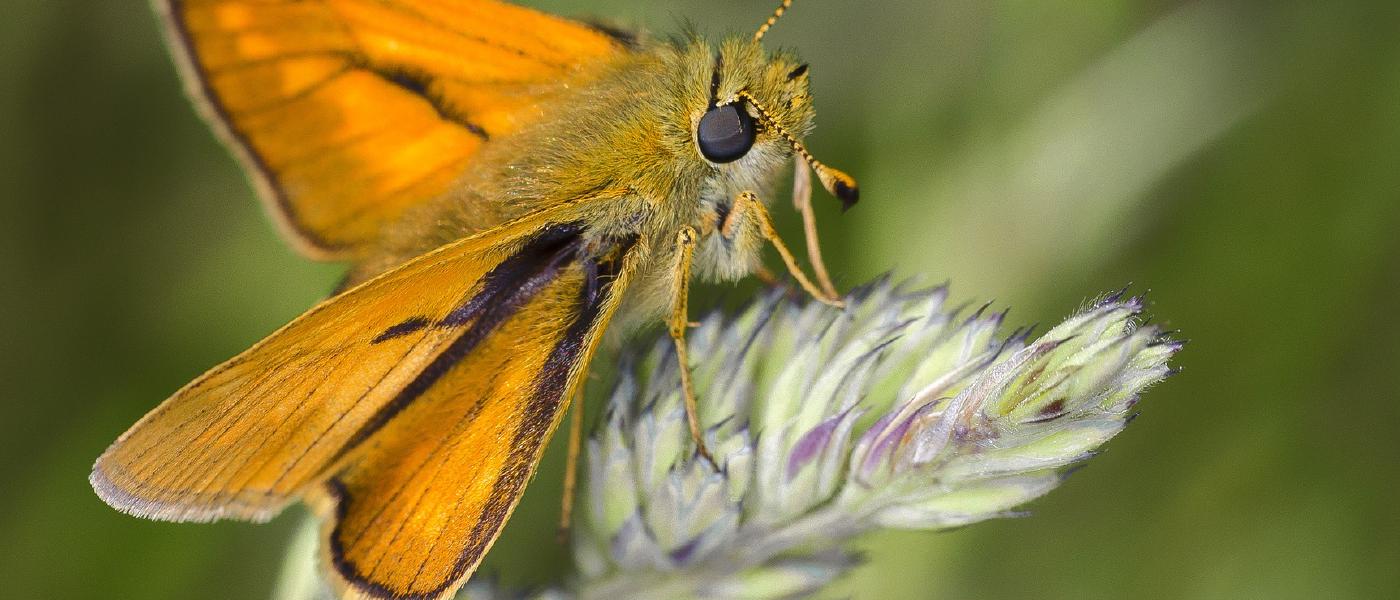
(725, 133)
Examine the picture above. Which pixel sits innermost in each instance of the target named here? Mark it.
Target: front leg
(749, 219)
(676, 325)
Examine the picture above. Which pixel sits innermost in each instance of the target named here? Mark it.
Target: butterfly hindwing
(347, 112)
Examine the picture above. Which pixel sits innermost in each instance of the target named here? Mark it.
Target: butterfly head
(759, 110)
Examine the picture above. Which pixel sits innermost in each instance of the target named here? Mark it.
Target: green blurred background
(1240, 159)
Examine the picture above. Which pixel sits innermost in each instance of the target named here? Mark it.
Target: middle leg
(676, 325)
(749, 217)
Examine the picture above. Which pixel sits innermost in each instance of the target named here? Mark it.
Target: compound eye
(725, 133)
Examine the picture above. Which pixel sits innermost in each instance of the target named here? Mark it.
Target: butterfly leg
(802, 200)
(767, 277)
(566, 510)
(749, 211)
(676, 325)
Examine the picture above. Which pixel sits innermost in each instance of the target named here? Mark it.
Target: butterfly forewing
(412, 514)
(252, 434)
(347, 112)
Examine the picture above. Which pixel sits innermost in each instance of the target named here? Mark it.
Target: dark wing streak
(556, 372)
(402, 328)
(529, 289)
(469, 312)
(512, 276)
(136, 484)
(627, 38)
(420, 84)
(538, 415)
(356, 61)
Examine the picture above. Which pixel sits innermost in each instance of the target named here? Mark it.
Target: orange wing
(252, 434)
(346, 112)
(412, 515)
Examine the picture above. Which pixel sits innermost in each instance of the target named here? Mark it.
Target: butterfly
(506, 185)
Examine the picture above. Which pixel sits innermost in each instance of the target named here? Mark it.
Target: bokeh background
(1239, 159)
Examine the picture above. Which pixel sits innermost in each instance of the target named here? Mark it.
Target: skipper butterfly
(505, 185)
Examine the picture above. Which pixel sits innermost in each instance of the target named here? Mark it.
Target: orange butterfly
(503, 183)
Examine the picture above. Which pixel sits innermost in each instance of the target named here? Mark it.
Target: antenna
(839, 184)
(777, 14)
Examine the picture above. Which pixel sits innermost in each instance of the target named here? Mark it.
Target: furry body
(627, 131)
